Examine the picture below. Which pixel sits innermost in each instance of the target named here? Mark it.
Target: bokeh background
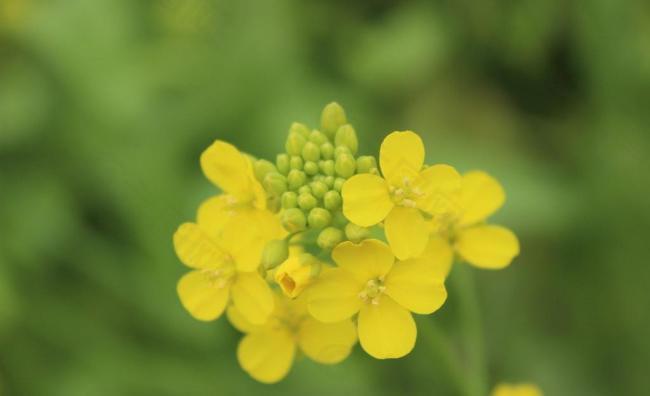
(105, 106)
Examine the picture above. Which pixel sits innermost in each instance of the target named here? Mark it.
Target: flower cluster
(324, 247)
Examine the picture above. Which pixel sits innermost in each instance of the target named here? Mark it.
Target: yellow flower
(482, 245)
(383, 291)
(267, 352)
(517, 390)
(398, 198)
(296, 272)
(225, 264)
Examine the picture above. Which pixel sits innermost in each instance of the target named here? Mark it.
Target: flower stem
(471, 329)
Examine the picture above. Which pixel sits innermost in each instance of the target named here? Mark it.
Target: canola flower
(324, 246)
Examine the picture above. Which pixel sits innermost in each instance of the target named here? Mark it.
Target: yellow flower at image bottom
(267, 352)
(516, 390)
(383, 291)
(465, 231)
(399, 198)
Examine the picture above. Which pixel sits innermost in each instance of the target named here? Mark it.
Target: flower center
(405, 193)
(219, 277)
(373, 290)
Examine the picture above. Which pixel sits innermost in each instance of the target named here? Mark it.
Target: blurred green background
(105, 106)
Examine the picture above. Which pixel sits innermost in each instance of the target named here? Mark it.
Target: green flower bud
(304, 190)
(327, 150)
(275, 183)
(300, 129)
(329, 180)
(318, 188)
(332, 200)
(329, 238)
(319, 218)
(289, 200)
(347, 137)
(306, 201)
(338, 184)
(339, 150)
(332, 117)
(345, 165)
(262, 167)
(365, 163)
(327, 167)
(274, 254)
(296, 179)
(282, 162)
(311, 152)
(356, 233)
(311, 168)
(296, 162)
(295, 143)
(293, 220)
(318, 178)
(339, 220)
(317, 137)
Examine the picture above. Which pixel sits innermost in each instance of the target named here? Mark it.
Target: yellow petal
(369, 259)
(246, 234)
(407, 232)
(481, 195)
(416, 285)
(366, 200)
(327, 343)
(252, 297)
(401, 153)
(214, 213)
(386, 330)
(487, 246)
(267, 356)
(335, 296)
(516, 390)
(195, 249)
(201, 297)
(230, 170)
(440, 186)
(439, 256)
(239, 322)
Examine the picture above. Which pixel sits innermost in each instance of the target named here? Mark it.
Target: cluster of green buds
(304, 185)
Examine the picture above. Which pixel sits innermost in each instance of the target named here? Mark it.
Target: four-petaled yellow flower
(464, 230)
(399, 197)
(517, 390)
(383, 291)
(267, 352)
(296, 272)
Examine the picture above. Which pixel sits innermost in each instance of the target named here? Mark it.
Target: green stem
(471, 328)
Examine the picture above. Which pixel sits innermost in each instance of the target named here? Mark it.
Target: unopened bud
(347, 137)
(294, 220)
(356, 233)
(275, 183)
(274, 254)
(300, 129)
(327, 167)
(366, 163)
(338, 184)
(332, 117)
(329, 238)
(262, 167)
(329, 180)
(296, 162)
(317, 137)
(332, 200)
(311, 168)
(311, 152)
(295, 274)
(304, 190)
(289, 200)
(318, 188)
(282, 163)
(327, 150)
(306, 201)
(319, 218)
(345, 165)
(296, 179)
(295, 143)
(339, 150)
